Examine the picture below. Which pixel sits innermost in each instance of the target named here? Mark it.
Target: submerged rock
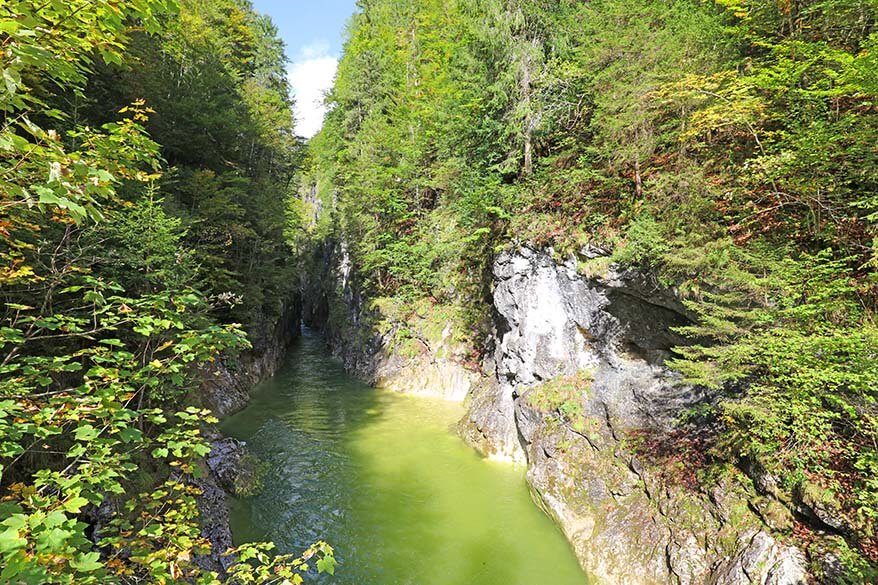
(238, 471)
(579, 383)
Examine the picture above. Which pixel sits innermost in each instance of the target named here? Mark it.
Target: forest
(158, 214)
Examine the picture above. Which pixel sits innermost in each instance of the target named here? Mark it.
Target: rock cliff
(394, 347)
(229, 468)
(580, 393)
(226, 383)
(575, 386)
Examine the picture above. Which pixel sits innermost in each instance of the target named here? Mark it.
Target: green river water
(383, 478)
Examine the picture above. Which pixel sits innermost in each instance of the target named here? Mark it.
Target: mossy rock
(251, 475)
(834, 561)
(564, 392)
(776, 516)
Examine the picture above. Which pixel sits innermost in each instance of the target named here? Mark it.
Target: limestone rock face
(424, 366)
(434, 370)
(626, 523)
(425, 375)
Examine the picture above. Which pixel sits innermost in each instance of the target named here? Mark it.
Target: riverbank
(229, 468)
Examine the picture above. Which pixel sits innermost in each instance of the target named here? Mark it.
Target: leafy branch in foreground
(103, 320)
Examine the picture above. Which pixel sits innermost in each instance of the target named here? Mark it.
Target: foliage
(105, 316)
(226, 130)
(563, 397)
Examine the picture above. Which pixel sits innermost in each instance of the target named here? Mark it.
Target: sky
(313, 32)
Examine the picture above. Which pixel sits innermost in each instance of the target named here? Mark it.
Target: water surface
(383, 478)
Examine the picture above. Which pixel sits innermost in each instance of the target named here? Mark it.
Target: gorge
(588, 293)
(576, 378)
(382, 477)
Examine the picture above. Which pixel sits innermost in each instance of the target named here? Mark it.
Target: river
(383, 478)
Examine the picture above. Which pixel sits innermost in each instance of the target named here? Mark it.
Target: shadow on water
(382, 478)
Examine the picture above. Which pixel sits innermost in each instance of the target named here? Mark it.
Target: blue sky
(313, 32)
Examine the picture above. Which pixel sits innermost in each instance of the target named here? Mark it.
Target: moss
(422, 320)
(775, 515)
(387, 307)
(595, 267)
(813, 494)
(564, 396)
(437, 320)
(409, 348)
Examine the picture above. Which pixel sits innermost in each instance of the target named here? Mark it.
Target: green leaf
(9, 26)
(16, 521)
(87, 563)
(85, 432)
(54, 519)
(11, 79)
(326, 565)
(10, 541)
(130, 434)
(47, 196)
(54, 540)
(75, 504)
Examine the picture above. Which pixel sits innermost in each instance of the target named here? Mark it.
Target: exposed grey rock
(591, 252)
(216, 527)
(831, 568)
(236, 469)
(826, 551)
(226, 383)
(224, 461)
(336, 306)
(229, 467)
(489, 424)
(626, 524)
(765, 482)
(813, 503)
(761, 559)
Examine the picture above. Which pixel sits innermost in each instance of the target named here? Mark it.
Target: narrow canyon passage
(384, 479)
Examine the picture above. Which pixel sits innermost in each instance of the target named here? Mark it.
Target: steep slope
(722, 151)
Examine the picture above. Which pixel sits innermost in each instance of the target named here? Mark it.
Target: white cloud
(311, 75)
(314, 50)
